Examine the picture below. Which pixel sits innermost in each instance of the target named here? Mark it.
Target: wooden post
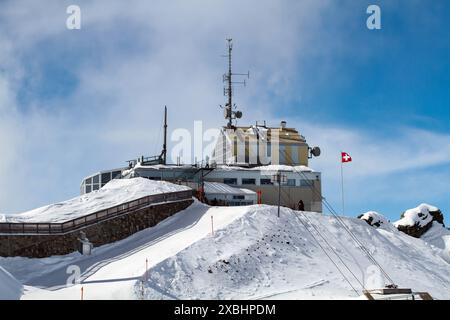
(82, 293)
(212, 225)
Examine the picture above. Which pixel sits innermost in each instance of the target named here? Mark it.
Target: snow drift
(10, 288)
(113, 193)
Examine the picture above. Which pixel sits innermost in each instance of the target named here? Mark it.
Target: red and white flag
(345, 157)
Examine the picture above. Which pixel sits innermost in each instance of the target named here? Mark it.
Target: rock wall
(118, 228)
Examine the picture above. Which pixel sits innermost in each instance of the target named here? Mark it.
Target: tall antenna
(228, 90)
(165, 136)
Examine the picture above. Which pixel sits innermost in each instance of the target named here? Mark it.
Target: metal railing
(24, 228)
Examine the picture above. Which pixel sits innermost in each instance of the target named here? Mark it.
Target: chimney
(283, 124)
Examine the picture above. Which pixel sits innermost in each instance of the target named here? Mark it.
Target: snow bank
(113, 193)
(10, 288)
(375, 219)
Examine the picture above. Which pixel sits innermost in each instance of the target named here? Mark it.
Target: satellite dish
(315, 151)
(238, 114)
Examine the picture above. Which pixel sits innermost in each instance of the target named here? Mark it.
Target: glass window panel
(106, 177)
(266, 181)
(96, 179)
(116, 174)
(230, 181)
(248, 181)
(291, 182)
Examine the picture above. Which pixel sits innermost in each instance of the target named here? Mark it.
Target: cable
(328, 244)
(326, 253)
(360, 245)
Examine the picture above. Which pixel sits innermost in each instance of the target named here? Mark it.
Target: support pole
(279, 193)
(165, 136)
(212, 225)
(342, 188)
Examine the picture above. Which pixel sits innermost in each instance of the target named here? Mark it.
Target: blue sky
(75, 102)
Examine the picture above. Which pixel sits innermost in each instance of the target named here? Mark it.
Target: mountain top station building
(250, 159)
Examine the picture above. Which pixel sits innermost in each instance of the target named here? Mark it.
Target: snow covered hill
(113, 193)
(262, 256)
(253, 254)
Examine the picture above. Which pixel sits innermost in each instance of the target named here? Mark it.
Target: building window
(116, 174)
(291, 182)
(230, 181)
(88, 189)
(89, 181)
(306, 183)
(266, 181)
(95, 187)
(96, 179)
(238, 197)
(248, 181)
(106, 177)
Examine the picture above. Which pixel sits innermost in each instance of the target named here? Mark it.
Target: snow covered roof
(272, 167)
(221, 188)
(113, 193)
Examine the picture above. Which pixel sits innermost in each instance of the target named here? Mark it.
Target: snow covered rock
(416, 221)
(374, 219)
(10, 288)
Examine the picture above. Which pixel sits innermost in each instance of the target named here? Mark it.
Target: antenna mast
(228, 90)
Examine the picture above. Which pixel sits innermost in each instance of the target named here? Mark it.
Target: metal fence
(92, 218)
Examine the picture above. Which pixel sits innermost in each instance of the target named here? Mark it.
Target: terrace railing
(48, 228)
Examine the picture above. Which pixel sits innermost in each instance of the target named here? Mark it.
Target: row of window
(252, 181)
(99, 180)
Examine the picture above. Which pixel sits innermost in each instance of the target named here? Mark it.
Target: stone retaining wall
(118, 228)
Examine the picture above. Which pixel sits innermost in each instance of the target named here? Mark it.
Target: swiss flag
(345, 157)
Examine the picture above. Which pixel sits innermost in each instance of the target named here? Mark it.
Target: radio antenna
(230, 114)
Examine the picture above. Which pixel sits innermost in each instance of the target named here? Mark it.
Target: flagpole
(342, 186)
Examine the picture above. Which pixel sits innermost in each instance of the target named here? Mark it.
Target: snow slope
(112, 270)
(261, 256)
(113, 193)
(253, 254)
(439, 238)
(10, 288)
